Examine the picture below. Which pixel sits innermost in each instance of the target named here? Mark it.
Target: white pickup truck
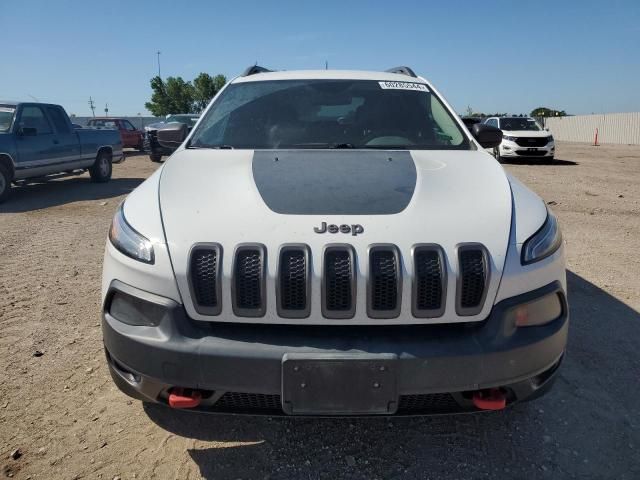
(333, 243)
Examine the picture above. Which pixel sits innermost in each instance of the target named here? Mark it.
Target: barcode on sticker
(420, 87)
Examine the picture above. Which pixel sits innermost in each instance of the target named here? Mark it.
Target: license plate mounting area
(339, 384)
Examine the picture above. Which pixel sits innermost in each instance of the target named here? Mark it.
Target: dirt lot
(62, 411)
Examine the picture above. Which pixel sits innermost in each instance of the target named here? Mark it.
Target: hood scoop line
(335, 183)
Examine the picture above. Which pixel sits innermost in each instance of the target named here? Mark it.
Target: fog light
(135, 311)
(537, 312)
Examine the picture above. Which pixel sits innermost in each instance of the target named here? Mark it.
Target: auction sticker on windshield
(421, 87)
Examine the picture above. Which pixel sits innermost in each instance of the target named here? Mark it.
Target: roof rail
(253, 69)
(402, 71)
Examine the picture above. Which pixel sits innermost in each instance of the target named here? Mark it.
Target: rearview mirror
(28, 131)
(172, 135)
(486, 135)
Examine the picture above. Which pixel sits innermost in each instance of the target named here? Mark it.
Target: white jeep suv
(522, 137)
(333, 243)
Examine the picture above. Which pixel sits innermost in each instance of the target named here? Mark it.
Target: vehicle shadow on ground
(556, 162)
(52, 193)
(586, 426)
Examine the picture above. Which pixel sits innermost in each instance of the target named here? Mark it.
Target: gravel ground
(59, 407)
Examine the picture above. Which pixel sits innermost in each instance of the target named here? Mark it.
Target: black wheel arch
(5, 160)
(105, 149)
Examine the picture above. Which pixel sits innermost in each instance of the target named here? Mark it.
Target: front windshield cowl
(331, 114)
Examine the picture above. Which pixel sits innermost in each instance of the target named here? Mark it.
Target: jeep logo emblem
(344, 228)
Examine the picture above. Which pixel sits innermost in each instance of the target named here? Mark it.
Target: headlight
(128, 241)
(550, 139)
(544, 242)
(511, 139)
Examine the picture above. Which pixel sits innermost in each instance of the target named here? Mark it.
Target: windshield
(189, 120)
(6, 117)
(328, 114)
(519, 123)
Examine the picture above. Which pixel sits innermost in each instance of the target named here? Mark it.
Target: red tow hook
(490, 399)
(179, 398)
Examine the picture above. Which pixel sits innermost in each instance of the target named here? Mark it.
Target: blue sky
(509, 56)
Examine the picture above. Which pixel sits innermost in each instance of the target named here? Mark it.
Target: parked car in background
(151, 145)
(37, 139)
(130, 135)
(336, 243)
(522, 137)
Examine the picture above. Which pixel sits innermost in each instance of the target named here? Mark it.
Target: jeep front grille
(339, 282)
(293, 295)
(384, 290)
(337, 269)
(429, 281)
(472, 279)
(248, 283)
(204, 278)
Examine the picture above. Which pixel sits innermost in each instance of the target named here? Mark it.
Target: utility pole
(106, 109)
(92, 107)
(158, 53)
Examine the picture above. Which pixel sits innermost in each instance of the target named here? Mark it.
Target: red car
(130, 135)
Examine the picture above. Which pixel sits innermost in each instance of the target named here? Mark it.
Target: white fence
(620, 128)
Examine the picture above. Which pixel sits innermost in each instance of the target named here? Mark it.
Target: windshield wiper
(342, 145)
(217, 147)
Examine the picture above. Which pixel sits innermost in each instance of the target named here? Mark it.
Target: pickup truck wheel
(101, 170)
(5, 183)
(156, 158)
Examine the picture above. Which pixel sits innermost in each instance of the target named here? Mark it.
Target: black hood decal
(321, 182)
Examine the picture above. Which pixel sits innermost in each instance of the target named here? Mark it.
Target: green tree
(171, 96)
(205, 88)
(547, 112)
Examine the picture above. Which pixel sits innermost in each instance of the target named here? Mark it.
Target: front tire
(155, 157)
(5, 183)
(101, 170)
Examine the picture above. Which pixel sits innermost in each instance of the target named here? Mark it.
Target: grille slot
(293, 295)
(256, 402)
(472, 279)
(204, 278)
(429, 281)
(428, 403)
(531, 141)
(248, 283)
(384, 290)
(339, 282)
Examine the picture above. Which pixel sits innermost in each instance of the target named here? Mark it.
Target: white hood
(527, 133)
(442, 197)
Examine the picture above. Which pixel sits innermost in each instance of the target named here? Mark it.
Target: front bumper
(151, 146)
(240, 366)
(513, 150)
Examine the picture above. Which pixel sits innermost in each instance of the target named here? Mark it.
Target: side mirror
(172, 135)
(28, 131)
(486, 135)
